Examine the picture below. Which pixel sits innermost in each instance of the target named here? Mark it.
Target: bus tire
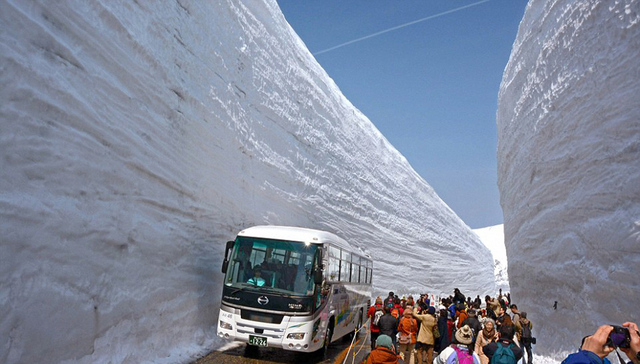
(327, 338)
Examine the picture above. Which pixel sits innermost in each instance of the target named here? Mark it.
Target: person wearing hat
(384, 352)
(461, 350)
(425, 342)
(408, 329)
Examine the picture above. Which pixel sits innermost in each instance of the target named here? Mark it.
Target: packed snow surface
(138, 137)
(569, 167)
(493, 238)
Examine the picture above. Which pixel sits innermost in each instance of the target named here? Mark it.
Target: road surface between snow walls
(569, 167)
(138, 137)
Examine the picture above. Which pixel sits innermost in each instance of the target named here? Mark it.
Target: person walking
(487, 336)
(473, 323)
(461, 350)
(504, 349)
(408, 330)
(445, 337)
(461, 314)
(523, 333)
(388, 325)
(503, 319)
(426, 341)
(383, 353)
(374, 313)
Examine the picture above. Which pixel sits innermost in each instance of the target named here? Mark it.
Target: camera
(619, 338)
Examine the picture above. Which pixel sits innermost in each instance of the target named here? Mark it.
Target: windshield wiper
(247, 285)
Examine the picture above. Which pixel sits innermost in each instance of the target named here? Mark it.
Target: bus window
(345, 267)
(345, 270)
(334, 269)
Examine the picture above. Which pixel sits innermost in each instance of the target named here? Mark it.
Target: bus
(292, 288)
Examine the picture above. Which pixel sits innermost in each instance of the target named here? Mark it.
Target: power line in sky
(398, 27)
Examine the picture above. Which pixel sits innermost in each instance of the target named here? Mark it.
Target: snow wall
(569, 167)
(138, 137)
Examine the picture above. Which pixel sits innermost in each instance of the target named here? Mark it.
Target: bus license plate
(257, 340)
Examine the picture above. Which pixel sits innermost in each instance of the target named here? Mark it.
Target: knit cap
(384, 341)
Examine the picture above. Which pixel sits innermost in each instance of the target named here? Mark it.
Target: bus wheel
(327, 340)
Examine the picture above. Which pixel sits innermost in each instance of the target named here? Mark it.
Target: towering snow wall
(138, 137)
(569, 167)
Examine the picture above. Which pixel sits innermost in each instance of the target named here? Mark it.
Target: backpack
(376, 317)
(464, 357)
(503, 355)
(526, 336)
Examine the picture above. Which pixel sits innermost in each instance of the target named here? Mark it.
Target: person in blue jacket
(594, 350)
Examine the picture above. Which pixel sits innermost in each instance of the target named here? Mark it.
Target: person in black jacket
(388, 325)
(458, 297)
(473, 323)
(506, 339)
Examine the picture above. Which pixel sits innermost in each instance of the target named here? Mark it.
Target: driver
(256, 280)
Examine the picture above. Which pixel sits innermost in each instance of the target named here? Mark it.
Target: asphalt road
(337, 353)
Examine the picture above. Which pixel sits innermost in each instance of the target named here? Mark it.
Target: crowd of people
(462, 330)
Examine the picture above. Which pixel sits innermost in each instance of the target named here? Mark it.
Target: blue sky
(430, 87)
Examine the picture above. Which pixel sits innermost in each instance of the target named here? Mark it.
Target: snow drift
(569, 167)
(137, 138)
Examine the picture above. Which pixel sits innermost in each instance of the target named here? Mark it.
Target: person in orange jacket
(408, 329)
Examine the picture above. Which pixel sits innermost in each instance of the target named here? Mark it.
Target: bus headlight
(226, 325)
(296, 336)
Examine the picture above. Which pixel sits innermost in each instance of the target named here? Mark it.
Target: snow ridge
(138, 137)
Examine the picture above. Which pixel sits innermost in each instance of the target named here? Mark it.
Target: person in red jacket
(371, 314)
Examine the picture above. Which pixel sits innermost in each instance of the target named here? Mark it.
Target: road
(243, 354)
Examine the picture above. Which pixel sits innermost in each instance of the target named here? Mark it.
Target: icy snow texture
(138, 137)
(569, 167)
(493, 238)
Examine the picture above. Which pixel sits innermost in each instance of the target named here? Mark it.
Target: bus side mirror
(317, 276)
(317, 272)
(225, 262)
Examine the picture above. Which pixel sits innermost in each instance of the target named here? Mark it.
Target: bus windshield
(278, 266)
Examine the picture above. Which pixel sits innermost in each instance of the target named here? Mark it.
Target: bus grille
(269, 318)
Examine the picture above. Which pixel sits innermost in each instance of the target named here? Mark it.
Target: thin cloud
(398, 27)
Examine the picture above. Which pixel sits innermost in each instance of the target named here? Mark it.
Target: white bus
(292, 288)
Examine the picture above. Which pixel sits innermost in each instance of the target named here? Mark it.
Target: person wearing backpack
(523, 333)
(408, 330)
(461, 350)
(504, 351)
(374, 313)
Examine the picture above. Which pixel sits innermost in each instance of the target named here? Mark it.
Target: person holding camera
(604, 341)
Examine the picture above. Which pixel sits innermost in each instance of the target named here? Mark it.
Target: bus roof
(295, 234)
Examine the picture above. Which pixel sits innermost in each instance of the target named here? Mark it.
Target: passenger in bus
(257, 279)
(245, 271)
